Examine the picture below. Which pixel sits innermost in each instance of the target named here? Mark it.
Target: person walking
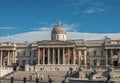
(49, 79)
(42, 77)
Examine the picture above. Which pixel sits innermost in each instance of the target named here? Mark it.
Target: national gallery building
(60, 51)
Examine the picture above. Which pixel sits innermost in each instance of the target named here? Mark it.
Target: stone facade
(59, 51)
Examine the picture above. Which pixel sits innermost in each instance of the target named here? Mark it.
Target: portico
(112, 55)
(7, 57)
(61, 53)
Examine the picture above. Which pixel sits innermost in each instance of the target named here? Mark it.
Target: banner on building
(41, 54)
(71, 54)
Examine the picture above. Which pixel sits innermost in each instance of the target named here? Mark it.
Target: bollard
(24, 80)
(37, 80)
(12, 79)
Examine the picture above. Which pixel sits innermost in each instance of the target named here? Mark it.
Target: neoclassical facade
(59, 51)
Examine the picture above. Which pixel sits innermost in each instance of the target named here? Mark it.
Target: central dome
(58, 33)
(58, 30)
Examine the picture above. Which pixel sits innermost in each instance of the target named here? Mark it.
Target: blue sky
(92, 16)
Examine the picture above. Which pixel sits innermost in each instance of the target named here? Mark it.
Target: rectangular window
(82, 62)
(24, 62)
(108, 52)
(23, 53)
(102, 62)
(18, 54)
(115, 52)
(87, 52)
(29, 61)
(95, 62)
(95, 52)
(88, 62)
(34, 53)
(30, 53)
(102, 53)
(17, 62)
(66, 50)
(82, 52)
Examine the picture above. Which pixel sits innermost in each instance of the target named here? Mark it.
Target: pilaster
(1, 57)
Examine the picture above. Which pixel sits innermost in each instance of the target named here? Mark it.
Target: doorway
(115, 63)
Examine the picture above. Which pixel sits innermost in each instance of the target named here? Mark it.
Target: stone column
(85, 58)
(15, 52)
(79, 53)
(38, 56)
(8, 58)
(48, 56)
(106, 57)
(111, 56)
(74, 56)
(43, 56)
(1, 57)
(63, 56)
(13, 56)
(58, 55)
(68, 56)
(53, 55)
(32, 56)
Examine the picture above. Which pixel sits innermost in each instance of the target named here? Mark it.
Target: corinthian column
(63, 56)
(74, 56)
(85, 58)
(111, 56)
(1, 57)
(38, 56)
(13, 57)
(68, 56)
(106, 57)
(58, 55)
(8, 58)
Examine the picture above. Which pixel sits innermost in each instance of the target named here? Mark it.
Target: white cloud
(42, 29)
(46, 35)
(67, 27)
(88, 6)
(90, 11)
(7, 28)
(41, 23)
(94, 10)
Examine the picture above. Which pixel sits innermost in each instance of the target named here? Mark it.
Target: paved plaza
(57, 76)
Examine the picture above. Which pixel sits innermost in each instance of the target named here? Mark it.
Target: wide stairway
(57, 76)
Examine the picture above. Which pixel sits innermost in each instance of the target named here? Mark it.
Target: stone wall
(49, 68)
(5, 70)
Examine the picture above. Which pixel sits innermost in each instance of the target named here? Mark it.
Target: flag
(41, 54)
(71, 54)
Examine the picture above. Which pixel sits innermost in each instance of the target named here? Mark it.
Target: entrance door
(115, 63)
(6, 63)
(46, 60)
